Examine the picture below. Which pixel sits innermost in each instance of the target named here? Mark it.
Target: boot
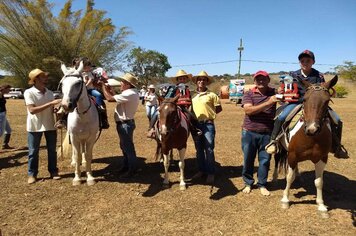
(5, 144)
(337, 148)
(271, 148)
(103, 118)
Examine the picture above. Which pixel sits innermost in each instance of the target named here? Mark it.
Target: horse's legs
(290, 178)
(88, 157)
(181, 167)
(76, 158)
(319, 170)
(166, 166)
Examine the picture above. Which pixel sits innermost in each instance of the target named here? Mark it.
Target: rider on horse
(306, 73)
(184, 102)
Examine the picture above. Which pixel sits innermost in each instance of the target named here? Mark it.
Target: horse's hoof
(182, 187)
(285, 205)
(76, 182)
(91, 182)
(324, 214)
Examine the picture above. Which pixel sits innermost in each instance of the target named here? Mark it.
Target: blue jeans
(204, 145)
(150, 110)
(4, 124)
(34, 141)
(286, 110)
(254, 143)
(125, 132)
(98, 96)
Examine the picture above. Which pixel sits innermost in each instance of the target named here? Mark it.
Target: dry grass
(141, 207)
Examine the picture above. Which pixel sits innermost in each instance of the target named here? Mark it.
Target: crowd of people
(259, 129)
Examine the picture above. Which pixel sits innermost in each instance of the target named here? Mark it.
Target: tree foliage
(31, 36)
(147, 65)
(347, 71)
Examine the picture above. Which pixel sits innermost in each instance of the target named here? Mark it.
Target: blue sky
(204, 32)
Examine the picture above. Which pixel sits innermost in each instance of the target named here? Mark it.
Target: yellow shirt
(204, 104)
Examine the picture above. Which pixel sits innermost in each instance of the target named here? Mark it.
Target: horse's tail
(281, 160)
(64, 151)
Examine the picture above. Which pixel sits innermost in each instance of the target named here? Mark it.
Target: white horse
(83, 121)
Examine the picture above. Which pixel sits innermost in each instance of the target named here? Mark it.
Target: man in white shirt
(127, 104)
(40, 120)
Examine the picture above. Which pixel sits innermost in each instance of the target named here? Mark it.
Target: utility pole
(240, 49)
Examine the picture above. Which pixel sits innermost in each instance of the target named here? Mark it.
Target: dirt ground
(140, 206)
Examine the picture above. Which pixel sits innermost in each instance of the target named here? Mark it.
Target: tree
(30, 37)
(147, 64)
(347, 71)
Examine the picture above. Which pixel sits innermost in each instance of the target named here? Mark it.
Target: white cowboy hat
(130, 78)
(203, 74)
(151, 86)
(180, 73)
(33, 75)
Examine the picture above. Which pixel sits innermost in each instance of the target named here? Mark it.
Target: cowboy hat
(130, 78)
(33, 75)
(203, 74)
(180, 73)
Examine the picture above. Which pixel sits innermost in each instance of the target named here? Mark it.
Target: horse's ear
(64, 68)
(331, 83)
(81, 66)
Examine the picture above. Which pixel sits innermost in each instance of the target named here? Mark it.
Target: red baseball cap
(306, 53)
(261, 72)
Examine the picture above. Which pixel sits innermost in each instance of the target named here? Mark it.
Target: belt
(206, 121)
(124, 121)
(261, 131)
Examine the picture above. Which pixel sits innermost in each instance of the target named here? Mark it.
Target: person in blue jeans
(40, 104)
(205, 106)
(259, 105)
(126, 106)
(307, 73)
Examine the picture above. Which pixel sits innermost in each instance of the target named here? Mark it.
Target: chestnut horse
(173, 132)
(313, 140)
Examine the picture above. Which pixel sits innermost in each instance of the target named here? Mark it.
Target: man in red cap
(259, 104)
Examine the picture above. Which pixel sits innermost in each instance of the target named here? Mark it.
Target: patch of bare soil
(140, 206)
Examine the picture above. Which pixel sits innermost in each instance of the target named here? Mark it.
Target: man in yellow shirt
(205, 106)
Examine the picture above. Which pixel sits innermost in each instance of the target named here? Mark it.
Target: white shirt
(41, 121)
(127, 104)
(151, 99)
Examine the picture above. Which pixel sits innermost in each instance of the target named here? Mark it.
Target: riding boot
(271, 148)
(104, 123)
(337, 148)
(5, 144)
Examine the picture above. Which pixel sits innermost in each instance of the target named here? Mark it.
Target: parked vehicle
(236, 90)
(15, 93)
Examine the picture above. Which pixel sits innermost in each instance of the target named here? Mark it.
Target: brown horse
(173, 132)
(313, 140)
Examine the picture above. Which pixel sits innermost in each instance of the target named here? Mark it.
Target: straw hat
(203, 74)
(151, 86)
(180, 73)
(130, 78)
(33, 75)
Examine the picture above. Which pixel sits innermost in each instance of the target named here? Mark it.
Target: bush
(341, 91)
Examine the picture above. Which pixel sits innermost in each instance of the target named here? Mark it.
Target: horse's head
(72, 85)
(168, 115)
(316, 101)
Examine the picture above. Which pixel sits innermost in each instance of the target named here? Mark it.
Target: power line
(255, 61)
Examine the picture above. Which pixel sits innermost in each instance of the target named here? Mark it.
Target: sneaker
(341, 153)
(31, 179)
(264, 191)
(247, 189)
(210, 179)
(271, 148)
(55, 176)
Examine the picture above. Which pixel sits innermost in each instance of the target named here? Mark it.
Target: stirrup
(271, 148)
